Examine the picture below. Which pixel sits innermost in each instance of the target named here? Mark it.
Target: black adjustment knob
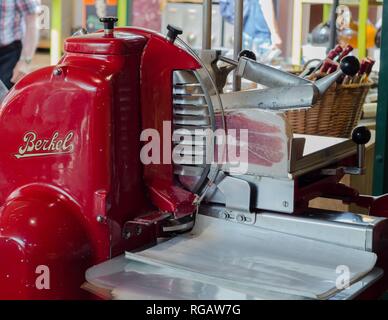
(173, 32)
(109, 22)
(247, 54)
(350, 66)
(361, 135)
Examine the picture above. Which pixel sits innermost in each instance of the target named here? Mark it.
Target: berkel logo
(34, 147)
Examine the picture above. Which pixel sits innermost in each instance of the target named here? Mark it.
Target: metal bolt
(138, 230)
(57, 71)
(285, 204)
(127, 235)
(101, 219)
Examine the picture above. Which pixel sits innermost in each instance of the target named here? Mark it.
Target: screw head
(101, 219)
(57, 71)
(285, 204)
(127, 235)
(241, 218)
(226, 215)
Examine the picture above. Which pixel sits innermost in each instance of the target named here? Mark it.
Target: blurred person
(261, 32)
(147, 13)
(19, 36)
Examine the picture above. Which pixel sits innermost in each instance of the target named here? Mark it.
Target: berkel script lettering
(35, 147)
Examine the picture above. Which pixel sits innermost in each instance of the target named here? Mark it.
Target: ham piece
(264, 144)
(264, 151)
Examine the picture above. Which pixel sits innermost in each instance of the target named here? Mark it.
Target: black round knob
(350, 66)
(173, 32)
(361, 135)
(109, 22)
(247, 54)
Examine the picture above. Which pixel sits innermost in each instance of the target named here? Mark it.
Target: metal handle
(109, 24)
(173, 32)
(361, 136)
(349, 66)
(266, 75)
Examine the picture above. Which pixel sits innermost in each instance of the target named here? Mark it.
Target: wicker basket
(336, 114)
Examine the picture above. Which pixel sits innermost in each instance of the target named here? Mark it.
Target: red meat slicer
(75, 192)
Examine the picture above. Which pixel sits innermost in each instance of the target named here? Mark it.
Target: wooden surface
(44, 44)
(370, 110)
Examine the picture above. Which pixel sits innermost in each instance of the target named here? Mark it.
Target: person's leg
(8, 60)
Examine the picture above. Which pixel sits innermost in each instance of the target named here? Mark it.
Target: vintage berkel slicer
(75, 193)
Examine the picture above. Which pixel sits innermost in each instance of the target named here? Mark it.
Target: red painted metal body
(69, 163)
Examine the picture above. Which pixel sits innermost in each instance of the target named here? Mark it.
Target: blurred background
(303, 25)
